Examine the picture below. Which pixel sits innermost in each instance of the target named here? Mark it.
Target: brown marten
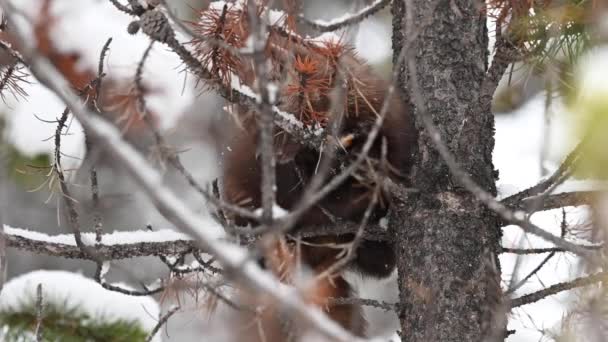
(305, 72)
(241, 178)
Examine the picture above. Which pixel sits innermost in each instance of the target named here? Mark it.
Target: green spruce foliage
(66, 324)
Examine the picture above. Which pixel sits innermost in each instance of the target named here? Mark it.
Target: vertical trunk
(447, 241)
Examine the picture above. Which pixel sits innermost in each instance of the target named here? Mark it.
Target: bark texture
(447, 241)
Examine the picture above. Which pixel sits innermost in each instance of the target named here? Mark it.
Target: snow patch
(75, 290)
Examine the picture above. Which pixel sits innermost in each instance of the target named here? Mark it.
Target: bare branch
(171, 156)
(524, 280)
(557, 288)
(266, 114)
(541, 187)
(39, 313)
(525, 251)
(555, 201)
(14, 53)
(363, 301)
(102, 252)
(3, 242)
(99, 277)
(162, 322)
(66, 196)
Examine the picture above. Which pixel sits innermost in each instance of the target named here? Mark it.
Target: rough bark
(447, 241)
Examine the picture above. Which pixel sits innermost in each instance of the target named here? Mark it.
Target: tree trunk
(449, 277)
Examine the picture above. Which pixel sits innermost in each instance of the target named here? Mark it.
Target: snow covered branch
(141, 243)
(346, 19)
(115, 246)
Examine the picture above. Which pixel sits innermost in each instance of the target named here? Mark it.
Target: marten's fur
(242, 179)
(314, 70)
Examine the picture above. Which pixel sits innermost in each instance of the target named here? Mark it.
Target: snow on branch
(141, 243)
(347, 19)
(115, 246)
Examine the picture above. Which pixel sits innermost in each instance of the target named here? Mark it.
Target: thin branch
(557, 288)
(99, 273)
(171, 156)
(524, 280)
(107, 136)
(39, 313)
(541, 187)
(12, 52)
(351, 248)
(93, 177)
(67, 198)
(363, 301)
(344, 21)
(97, 83)
(3, 199)
(265, 121)
(525, 251)
(162, 321)
(555, 201)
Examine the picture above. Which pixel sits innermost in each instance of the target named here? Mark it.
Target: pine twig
(162, 321)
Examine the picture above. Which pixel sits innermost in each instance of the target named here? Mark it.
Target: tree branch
(19, 239)
(162, 322)
(557, 288)
(541, 187)
(525, 251)
(145, 243)
(347, 20)
(555, 201)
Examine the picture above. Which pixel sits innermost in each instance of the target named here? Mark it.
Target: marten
(306, 72)
(241, 178)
